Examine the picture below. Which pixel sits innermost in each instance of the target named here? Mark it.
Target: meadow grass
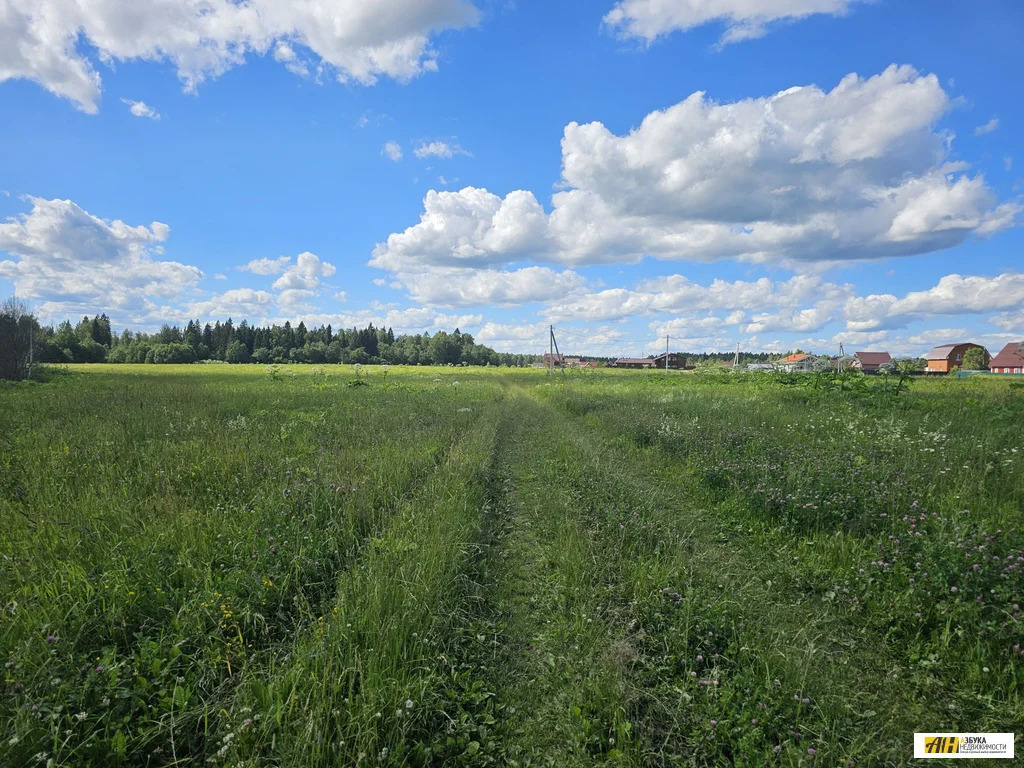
(318, 566)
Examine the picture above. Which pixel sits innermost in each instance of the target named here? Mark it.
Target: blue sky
(781, 174)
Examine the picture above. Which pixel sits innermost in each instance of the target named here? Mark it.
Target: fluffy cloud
(304, 274)
(1012, 322)
(676, 294)
(952, 295)
(301, 282)
(392, 150)
(471, 227)
(358, 40)
(743, 19)
(141, 109)
(452, 287)
(74, 261)
(239, 303)
(267, 266)
(805, 175)
(440, 149)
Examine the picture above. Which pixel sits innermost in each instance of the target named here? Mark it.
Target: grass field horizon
(329, 565)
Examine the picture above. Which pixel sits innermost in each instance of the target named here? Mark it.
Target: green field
(225, 565)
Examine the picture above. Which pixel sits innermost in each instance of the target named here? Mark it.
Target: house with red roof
(945, 358)
(871, 362)
(1009, 360)
(798, 361)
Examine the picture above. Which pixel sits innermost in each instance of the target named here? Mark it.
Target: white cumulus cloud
(141, 109)
(442, 149)
(952, 295)
(453, 287)
(47, 41)
(74, 261)
(267, 266)
(804, 175)
(743, 19)
(392, 150)
(238, 303)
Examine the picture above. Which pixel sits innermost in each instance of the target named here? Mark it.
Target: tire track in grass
(362, 687)
(557, 680)
(731, 668)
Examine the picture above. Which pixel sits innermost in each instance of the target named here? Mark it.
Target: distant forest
(92, 341)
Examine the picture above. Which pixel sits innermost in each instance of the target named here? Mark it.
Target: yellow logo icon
(944, 745)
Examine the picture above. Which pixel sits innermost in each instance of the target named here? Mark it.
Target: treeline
(92, 341)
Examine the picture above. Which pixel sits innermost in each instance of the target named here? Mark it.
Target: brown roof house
(1009, 360)
(949, 356)
(675, 361)
(633, 362)
(871, 362)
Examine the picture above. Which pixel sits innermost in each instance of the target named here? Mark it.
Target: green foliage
(91, 341)
(243, 565)
(975, 359)
(236, 352)
(18, 329)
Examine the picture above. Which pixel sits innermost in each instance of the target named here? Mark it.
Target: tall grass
(324, 566)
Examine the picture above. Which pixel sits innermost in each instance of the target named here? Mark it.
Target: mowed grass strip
(162, 548)
(560, 682)
(367, 683)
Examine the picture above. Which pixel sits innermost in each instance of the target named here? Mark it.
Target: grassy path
(631, 626)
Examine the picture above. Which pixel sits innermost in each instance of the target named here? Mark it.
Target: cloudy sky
(774, 173)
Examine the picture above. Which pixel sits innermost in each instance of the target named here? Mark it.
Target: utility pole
(666, 353)
(839, 360)
(551, 347)
(554, 342)
(736, 357)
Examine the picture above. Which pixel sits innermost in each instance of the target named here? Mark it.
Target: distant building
(560, 361)
(633, 362)
(1009, 360)
(676, 362)
(945, 358)
(871, 362)
(760, 365)
(796, 362)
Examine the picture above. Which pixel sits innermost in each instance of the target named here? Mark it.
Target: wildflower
(954, 590)
(776, 749)
(51, 639)
(714, 723)
(408, 704)
(80, 717)
(812, 751)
